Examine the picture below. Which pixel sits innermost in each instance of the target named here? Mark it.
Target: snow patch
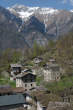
(25, 12)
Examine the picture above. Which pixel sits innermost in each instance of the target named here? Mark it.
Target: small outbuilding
(16, 68)
(37, 60)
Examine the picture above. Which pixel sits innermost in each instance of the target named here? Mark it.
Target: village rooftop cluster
(28, 95)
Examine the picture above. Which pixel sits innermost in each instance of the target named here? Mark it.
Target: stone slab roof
(18, 90)
(11, 100)
(44, 97)
(15, 65)
(11, 90)
(24, 74)
(52, 66)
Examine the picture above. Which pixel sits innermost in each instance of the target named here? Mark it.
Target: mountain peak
(26, 12)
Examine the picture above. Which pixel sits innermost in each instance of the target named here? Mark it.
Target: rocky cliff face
(55, 22)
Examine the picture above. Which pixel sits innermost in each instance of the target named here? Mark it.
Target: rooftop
(52, 60)
(37, 59)
(11, 90)
(5, 90)
(52, 66)
(44, 97)
(27, 70)
(18, 90)
(24, 74)
(16, 65)
(59, 106)
(11, 100)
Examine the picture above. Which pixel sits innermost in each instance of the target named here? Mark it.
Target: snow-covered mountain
(42, 24)
(71, 10)
(26, 12)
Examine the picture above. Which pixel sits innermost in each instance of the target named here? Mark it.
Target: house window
(25, 80)
(25, 85)
(25, 89)
(31, 84)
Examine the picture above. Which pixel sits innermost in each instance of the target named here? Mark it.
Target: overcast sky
(59, 4)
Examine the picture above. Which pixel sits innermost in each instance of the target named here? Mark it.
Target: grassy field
(65, 82)
(4, 81)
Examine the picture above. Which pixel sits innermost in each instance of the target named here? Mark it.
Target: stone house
(26, 80)
(58, 106)
(15, 70)
(37, 60)
(53, 105)
(66, 99)
(52, 60)
(37, 70)
(42, 99)
(52, 73)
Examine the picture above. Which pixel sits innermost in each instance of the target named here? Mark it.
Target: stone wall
(26, 86)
